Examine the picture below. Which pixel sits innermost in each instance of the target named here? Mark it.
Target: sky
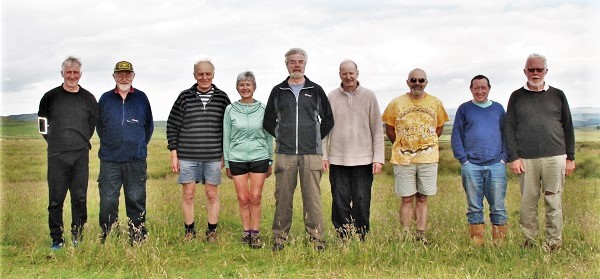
(452, 40)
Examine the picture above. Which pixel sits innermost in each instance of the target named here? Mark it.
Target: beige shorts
(415, 178)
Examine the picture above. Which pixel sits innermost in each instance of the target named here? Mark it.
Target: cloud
(452, 40)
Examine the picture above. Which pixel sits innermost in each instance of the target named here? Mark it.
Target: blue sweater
(124, 126)
(477, 134)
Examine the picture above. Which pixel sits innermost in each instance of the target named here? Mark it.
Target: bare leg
(213, 204)
(187, 202)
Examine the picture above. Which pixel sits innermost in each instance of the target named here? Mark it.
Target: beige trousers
(543, 176)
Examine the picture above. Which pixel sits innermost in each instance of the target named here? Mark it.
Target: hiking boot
(529, 243)
(421, 237)
(277, 247)
(189, 235)
(57, 244)
(211, 236)
(76, 239)
(256, 242)
(246, 239)
(318, 245)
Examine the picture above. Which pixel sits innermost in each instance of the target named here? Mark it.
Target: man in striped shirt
(195, 139)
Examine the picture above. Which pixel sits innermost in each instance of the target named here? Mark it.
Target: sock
(246, 233)
(190, 227)
(212, 227)
(254, 232)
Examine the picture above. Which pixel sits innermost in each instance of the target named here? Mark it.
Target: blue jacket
(124, 126)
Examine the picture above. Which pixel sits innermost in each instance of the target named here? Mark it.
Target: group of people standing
(341, 132)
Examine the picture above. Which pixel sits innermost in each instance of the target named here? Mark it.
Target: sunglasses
(420, 80)
(533, 70)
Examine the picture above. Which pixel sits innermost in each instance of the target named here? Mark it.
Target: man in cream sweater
(353, 151)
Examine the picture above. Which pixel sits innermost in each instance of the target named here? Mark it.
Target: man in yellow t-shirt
(414, 122)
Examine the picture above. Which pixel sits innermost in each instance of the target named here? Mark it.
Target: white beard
(535, 84)
(124, 87)
(296, 75)
(417, 92)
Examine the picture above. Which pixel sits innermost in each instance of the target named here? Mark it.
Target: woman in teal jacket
(248, 154)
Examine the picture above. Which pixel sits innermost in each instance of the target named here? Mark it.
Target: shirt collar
(546, 87)
(131, 90)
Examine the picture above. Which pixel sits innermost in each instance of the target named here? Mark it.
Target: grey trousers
(287, 168)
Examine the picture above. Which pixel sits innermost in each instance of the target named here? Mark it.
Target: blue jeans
(132, 176)
(488, 181)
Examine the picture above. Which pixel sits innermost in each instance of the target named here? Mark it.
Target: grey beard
(123, 87)
(417, 92)
(536, 84)
(296, 75)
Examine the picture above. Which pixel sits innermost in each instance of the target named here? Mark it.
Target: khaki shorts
(415, 178)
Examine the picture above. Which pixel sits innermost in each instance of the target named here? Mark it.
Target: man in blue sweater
(125, 127)
(478, 144)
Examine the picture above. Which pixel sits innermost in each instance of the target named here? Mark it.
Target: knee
(421, 198)
(408, 200)
(212, 196)
(244, 200)
(188, 195)
(255, 199)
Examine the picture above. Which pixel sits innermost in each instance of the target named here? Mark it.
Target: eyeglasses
(128, 75)
(420, 80)
(533, 70)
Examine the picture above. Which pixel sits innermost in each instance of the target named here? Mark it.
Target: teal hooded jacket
(244, 138)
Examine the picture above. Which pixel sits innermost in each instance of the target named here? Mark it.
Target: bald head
(417, 81)
(418, 72)
(349, 75)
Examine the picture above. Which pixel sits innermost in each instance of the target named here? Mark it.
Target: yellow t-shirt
(415, 122)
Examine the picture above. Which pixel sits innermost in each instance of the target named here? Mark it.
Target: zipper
(123, 114)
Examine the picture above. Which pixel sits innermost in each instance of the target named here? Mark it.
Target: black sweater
(539, 124)
(298, 125)
(71, 119)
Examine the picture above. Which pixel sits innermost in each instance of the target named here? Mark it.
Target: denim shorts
(199, 172)
(415, 178)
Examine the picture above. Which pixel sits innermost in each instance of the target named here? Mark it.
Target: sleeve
(567, 123)
(325, 149)
(326, 114)
(269, 145)
(510, 127)
(174, 122)
(226, 135)
(149, 122)
(504, 149)
(457, 136)
(270, 118)
(99, 124)
(442, 115)
(376, 131)
(43, 110)
(389, 114)
(93, 118)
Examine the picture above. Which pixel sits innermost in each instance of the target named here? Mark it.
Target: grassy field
(25, 253)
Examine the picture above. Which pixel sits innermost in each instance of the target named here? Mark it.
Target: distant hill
(582, 117)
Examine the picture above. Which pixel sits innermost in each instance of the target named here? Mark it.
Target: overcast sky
(452, 40)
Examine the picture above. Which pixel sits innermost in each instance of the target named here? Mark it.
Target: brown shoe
(476, 233)
(189, 235)
(211, 236)
(499, 234)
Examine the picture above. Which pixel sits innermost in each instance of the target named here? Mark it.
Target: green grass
(24, 240)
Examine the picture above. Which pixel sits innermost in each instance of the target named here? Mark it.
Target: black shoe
(256, 242)
(529, 243)
(277, 247)
(246, 239)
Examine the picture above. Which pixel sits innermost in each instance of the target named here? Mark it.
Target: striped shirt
(195, 127)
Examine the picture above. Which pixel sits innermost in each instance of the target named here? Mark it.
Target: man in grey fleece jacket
(353, 151)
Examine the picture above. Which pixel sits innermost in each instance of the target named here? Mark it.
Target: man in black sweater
(541, 148)
(71, 114)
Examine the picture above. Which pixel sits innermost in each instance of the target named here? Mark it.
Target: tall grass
(25, 243)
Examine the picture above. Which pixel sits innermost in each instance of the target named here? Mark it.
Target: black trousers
(67, 171)
(351, 193)
(131, 176)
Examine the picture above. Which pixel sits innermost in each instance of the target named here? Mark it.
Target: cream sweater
(357, 136)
